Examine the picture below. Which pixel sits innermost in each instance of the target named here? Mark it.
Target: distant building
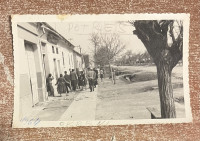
(87, 61)
(78, 60)
(42, 51)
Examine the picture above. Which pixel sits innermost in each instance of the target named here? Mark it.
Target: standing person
(85, 78)
(70, 71)
(73, 77)
(96, 77)
(77, 74)
(61, 88)
(81, 80)
(67, 79)
(114, 76)
(50, 88)
(91, 76)
(101, 75)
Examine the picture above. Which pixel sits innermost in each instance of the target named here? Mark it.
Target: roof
(77, 52)
(48, 27)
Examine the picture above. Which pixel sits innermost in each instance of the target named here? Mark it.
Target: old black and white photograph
(92, 70)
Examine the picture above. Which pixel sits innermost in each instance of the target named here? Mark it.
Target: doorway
(30, 48)
(55, 69)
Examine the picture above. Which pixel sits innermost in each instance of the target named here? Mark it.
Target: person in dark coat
(67, 79)
(50, 88)
(101, 74)
(61, 87)
(85, 79)
(96, 77)
(81, 79)
(77, 74)
(91, 77)
(74, 79)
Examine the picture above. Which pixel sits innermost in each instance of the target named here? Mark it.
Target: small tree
(164, 42)
(100, 56)
(129, 55)
(95, 40)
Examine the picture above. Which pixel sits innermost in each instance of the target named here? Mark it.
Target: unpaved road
(126, 100)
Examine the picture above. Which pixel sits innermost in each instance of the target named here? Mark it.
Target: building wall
(28, 97)
(66, 56)
(79, 62)
(57, 58)
(86, 61)
(25, 95)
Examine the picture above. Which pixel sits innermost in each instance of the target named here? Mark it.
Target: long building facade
(42, 51)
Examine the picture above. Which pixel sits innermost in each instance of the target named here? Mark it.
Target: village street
(44, 62)
(79, 105)
(121, 101)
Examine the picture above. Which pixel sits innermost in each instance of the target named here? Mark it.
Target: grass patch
(141, 76)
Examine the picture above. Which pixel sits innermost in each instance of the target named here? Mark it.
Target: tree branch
(171, 29)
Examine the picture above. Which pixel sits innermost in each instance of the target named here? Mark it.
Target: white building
(78, 60)
(42, 51)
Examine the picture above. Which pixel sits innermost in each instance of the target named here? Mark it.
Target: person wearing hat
(96, 77)
(61, 88)
(91, 75)
(50, 88)
(81, 79)
(101, 74)
(73, 77)
(68, 81)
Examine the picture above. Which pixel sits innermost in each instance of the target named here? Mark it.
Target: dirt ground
(54, 108)
(129, 100)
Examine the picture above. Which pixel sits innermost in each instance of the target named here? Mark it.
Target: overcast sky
(80, 33)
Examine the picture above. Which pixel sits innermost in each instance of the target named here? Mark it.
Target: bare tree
(95, 40)
(112, 45)
(107, 47)
(164, 42)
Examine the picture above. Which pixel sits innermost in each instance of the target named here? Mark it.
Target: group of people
(73, 81)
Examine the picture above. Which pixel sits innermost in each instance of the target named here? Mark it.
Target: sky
(79, 34)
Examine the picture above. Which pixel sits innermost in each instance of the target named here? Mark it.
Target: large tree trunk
(155, 35)
(165, 90)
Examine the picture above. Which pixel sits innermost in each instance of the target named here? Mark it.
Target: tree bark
(154, 35)
(167, 104)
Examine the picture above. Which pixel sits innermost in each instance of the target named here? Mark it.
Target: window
(43, 44)
(43, 47)
(57, 50)
(53, 51)
(63, 59)
(69, 60)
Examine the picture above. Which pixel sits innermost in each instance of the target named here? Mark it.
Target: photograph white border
(102, 17)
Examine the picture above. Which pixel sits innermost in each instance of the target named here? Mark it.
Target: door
(59, 67)
(55, 69)
(32, 72)
(44, 66)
